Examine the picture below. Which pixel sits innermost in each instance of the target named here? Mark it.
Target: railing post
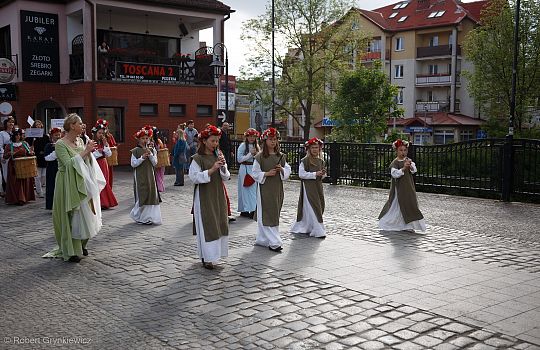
(508, 168)
(334, 162)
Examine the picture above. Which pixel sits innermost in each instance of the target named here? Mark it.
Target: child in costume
(101, 153)
(247, 189)
(18, 191)
(143, 161)
(52, 166)
(401, 213)
(270, 168)
(208, 170)
(309, 217)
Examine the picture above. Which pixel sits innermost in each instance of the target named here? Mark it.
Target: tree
(259, 92)
(364, 101)
(317, 51)
(490, 48)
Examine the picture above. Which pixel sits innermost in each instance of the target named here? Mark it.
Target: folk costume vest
(271, 191)
(213, 202)
(408, 203)
(313, 188)
(145, 180)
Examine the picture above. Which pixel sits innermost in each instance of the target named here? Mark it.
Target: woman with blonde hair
(76, 204)
(180, 156)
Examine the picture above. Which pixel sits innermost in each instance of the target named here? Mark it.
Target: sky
(246, 9)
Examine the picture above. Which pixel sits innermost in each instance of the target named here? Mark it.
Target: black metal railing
(472, 168)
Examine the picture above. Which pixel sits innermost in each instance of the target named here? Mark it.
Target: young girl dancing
(208, 170)
(247, 189)
(309, 217)
(143, 161)
(270, 169)
(401, 213)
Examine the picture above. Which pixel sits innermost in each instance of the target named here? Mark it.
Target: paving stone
(427, 341)
(372, 345)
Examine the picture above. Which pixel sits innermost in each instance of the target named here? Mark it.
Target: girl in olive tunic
(143, 161)
(208, 170)
(269, 170)
(309, 218)
(401, 212)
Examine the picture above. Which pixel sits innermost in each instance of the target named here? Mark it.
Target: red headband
(252, 132)
(270, 132)
(399, 142)
(314, 141)
(210, 130)
(143, 132)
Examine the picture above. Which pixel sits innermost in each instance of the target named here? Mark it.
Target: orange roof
(438, 119)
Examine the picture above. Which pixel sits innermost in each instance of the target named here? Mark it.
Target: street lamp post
(273, 67)
(218, 65)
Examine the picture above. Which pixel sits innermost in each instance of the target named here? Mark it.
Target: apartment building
(130, 62)
(419, 43)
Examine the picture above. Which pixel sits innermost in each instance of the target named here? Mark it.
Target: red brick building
(151, 69)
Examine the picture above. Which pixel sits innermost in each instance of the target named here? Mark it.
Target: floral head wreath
(270, 132)
(149, 127)
(314, 141)
(143, 132)
(210, 130)
(104, 122)
(99, 126)
(399, 142)
(252, 132)
(54, 131)
(17, 131)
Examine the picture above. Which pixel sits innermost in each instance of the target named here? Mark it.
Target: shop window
(204, 111)
(115, 117)
(466, 135)
(177, 110)
(5, 42)
(148, 109)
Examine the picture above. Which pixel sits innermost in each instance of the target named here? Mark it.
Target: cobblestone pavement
(472, 281)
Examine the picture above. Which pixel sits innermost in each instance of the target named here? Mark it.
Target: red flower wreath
(399, 142)
(252, 132)
(143, 132)
(314, 141)
(210, 130)
(270, 132)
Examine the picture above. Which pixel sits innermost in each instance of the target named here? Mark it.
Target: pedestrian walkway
(472, 281)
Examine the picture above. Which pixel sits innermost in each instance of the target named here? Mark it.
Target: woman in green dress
(76, 206)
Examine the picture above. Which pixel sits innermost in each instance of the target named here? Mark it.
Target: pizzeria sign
(147, 72)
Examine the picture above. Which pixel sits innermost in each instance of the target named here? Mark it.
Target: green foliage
(317, 52)
(363, 103)
(490, 48)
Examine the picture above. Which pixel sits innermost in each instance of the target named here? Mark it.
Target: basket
(25, 167)
(163, 158)
(113, 159)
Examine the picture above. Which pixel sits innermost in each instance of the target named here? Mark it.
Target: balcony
(435, 106)
(145, 66)
(436, 79)
(436, 51)
(373, 55)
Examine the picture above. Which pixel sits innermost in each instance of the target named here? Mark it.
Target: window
(5, 42)
(440, 13)
(402, 19)
(204, 111)
(374, 46)
(434, 41)
(466, 135)
(442, 137)
(148, 109)
(436, 14)
(400, 97)
(431, 15)
(177, 110)
(433, 69)
(355, 26)
(397, 6)
(399, 71)
(401, 5)
(393, 15)
(430, 96)
(399, 44)
(449, 68)
(115, 117)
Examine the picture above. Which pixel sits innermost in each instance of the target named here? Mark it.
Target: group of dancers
(83, 176)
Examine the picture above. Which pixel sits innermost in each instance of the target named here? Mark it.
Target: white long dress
(247, 196)
(393, 219)
(309, 223)
(5, 139)
(267, 236)
(147, 214)
(211, 251)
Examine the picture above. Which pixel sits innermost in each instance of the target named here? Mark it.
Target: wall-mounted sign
(417, 129)
(8, 69)
(147, 72)
(222, 98)
(40, 51)
(328, 122)
(8, 92)
(6, 108)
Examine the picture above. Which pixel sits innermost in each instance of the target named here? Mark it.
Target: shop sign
(417, 129)
(40, 50)
(8, 92)
(8, 70)
(147, 72)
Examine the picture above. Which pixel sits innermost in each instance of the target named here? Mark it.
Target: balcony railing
(435, 106)
(374, 55)
(433, 51)
(435, 79)
(186, 70)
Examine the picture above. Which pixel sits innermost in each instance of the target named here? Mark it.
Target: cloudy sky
(249, 9)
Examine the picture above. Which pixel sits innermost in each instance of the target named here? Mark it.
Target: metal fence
(472, 168)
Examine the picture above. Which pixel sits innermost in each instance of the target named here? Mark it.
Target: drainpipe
(223, 27)
(93, 46)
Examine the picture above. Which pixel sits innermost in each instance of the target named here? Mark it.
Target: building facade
(132, 63)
